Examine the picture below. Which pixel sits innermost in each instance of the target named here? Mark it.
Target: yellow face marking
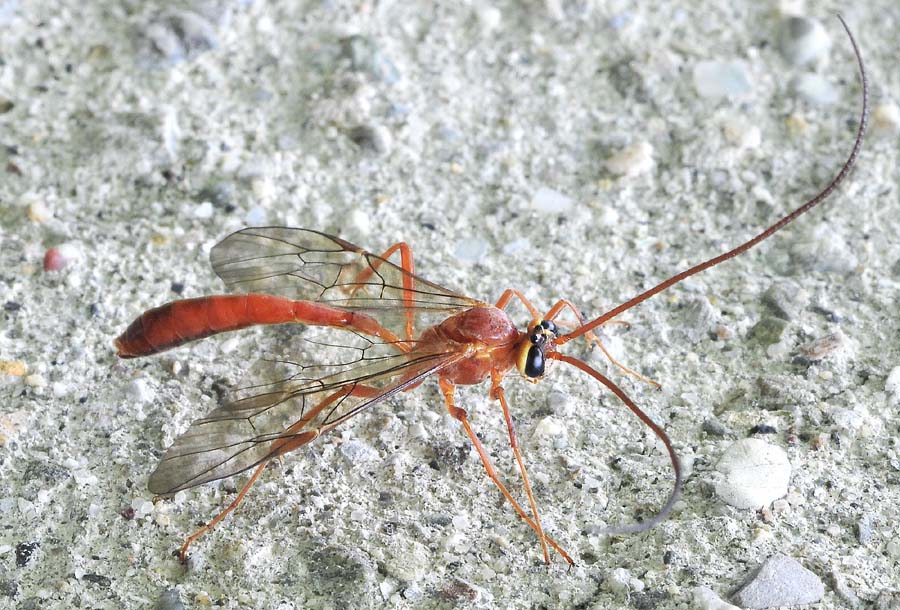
(522, 358)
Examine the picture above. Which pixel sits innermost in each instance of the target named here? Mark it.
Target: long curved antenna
(822, 196)
(663, 513)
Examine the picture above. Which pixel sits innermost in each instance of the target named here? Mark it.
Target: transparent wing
(308, 265)
(271, 418)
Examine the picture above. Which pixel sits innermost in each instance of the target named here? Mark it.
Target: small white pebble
(560, 402)
(39, 212)
(591, 485)
(777, 351)
(83, 476)
(619, 580)
(387, 587)
(892, 384)
(795, 499)
(791, 7)
(229, 345)
(171, 132)
(608, 216)
(470, 249)
(263, 189)
(893, 548)
(361, 220)
(803, 40)
(632, 160)
(816, 89)
(256, 216)
(755, 474)
(204, 211)
(718, 79)
(554, 10)
(142, 507)
(522, 244)
(456, 542)
(141, 391)
(780, 506)
(35, 380)
(886, 118)
(489, 17)
(539, 476)
(742, 134)
(418, 431)
(548, 427)
(761, 535)
(460, 522)
(706, 599)
(549, 201)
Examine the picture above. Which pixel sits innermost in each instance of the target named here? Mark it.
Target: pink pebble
(60, 257)
(55, 260)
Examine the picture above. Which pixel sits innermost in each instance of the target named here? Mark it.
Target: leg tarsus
(461, 415)
(497, 391)
(294, 437)
(591, 338)
(182, 554)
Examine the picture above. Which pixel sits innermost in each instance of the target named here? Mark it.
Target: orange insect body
(179, 322)
(302, 276)
(487, 333)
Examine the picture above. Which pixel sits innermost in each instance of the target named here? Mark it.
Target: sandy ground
(136, 135)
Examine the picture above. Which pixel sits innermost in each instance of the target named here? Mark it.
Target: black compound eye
(534, 362)
(550, 325)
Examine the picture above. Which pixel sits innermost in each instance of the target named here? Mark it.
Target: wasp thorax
(532, 359)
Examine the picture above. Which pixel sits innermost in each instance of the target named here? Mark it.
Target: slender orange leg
(461, 416)
(182, 554)
(406, 264)
(497, 393)
(592, 338)
(624, 368)
(293, 438)
(508, 295)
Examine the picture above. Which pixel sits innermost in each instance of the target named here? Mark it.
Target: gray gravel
(779, 581)
(563, 148)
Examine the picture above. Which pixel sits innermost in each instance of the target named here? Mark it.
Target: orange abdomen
(178, 322)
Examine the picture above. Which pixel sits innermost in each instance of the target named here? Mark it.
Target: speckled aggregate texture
(569, 149)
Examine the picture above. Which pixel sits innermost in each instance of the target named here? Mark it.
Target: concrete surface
(136, 135)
